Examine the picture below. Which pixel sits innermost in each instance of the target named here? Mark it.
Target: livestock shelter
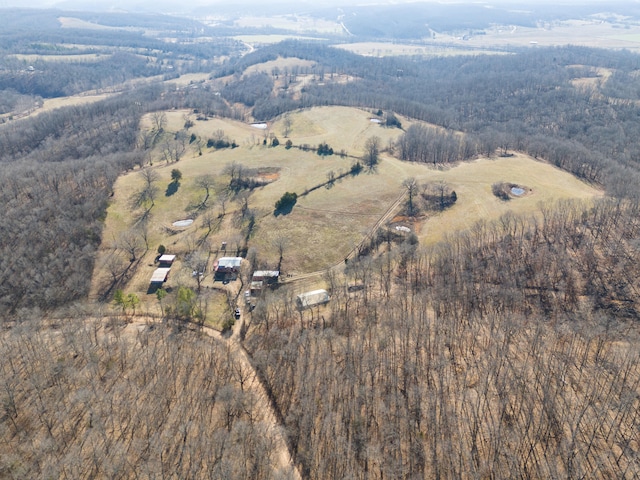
(160, 275)
(166, 260)
(311, 299)
(263, 278)
(268, 277)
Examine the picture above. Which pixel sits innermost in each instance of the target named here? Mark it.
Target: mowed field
(92, 96)
(589, 33)
(282, 64)
(295, 23)
(83, 57)
(386, 49)
(327, 223)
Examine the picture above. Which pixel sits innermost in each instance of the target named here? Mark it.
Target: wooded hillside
(509, 350)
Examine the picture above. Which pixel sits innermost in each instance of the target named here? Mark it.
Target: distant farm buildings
(311, 299)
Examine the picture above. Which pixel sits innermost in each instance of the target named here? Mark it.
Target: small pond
(517, 191)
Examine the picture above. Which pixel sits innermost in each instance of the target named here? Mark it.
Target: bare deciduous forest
(81, 400)
(510, 350)
(513, 353)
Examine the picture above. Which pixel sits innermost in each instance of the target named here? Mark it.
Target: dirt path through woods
(284, 465)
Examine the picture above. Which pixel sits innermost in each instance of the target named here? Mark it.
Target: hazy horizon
(164, 6)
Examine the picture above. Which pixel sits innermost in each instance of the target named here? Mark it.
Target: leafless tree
(132, 243)
(174, 149)
(222, 200)
(159, 121)
(371, 151)
(206, 182)
(286, 126)
(331, 177)
(411, 186)
(149, 190)
(281, 242)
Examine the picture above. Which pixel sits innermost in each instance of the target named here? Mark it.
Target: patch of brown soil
(268, 177)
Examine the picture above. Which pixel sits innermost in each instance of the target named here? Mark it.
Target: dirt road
(284, 465)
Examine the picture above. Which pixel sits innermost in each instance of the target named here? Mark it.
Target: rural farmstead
(227, 265)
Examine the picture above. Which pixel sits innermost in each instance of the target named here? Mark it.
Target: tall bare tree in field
(372, 151)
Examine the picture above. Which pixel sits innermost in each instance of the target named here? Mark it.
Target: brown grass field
(280, 63)
(590, 33)
(325, 225)
(385, 49)
(296, 23)
(271, 39)
(84, 57)
(95, 96)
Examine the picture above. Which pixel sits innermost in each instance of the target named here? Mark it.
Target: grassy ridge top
(329, 222)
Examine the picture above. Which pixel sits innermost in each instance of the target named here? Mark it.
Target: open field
(472, 182)
(270, 39)
(593, 33)
(295, 23)
(189, 78)
(74, 100)
(327, 223)
(95, 96)
(593, 83)
(384, 49)
(83, 57)
(281, 63)
(72, 22)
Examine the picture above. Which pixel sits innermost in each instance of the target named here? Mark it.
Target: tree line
(525, 101)
(58, 169)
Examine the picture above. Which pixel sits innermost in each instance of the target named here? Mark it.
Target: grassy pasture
(328, 222)
(74, 100)
(593, 83)
(384, 49)
(280, 63)
(54, 57)
(270, 39)
(189, 78)
(72, 22)
(472, 182)
(589, 33)
(295, 23)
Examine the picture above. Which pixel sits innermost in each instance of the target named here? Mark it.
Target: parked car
(237, 313)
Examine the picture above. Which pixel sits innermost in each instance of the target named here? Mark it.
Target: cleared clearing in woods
(327, 223)
(385, 49)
